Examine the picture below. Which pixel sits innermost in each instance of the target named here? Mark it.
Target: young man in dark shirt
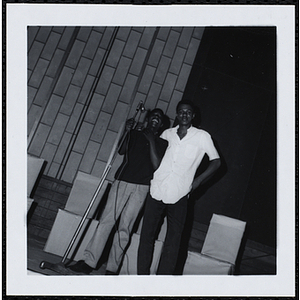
(143, 150)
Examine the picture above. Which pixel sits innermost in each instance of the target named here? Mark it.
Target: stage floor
(36, 255)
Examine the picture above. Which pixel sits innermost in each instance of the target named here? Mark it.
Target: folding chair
(220, 248)
(34, 169)
(129, 266)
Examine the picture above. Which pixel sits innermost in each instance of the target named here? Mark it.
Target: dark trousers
(154, 212)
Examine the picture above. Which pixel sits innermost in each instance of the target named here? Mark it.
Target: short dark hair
(165, 119)
(187, 102)
(158, 110)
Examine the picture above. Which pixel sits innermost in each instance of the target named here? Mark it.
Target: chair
(220, 248)
(129, 266)
(34, 170)
(82, 191)
(68, 219)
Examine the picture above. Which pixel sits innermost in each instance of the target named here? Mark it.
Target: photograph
(155, 152)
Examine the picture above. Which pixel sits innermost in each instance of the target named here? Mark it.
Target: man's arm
(155, 159)
(128, 126)
(207, 174)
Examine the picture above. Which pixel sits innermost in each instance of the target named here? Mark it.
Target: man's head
(155, 119)
(185, 111)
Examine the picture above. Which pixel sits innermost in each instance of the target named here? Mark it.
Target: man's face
(155, 120)
(185, 114)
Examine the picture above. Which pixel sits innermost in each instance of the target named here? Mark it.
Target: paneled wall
(83, 82)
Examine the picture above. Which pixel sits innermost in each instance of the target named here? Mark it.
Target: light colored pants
(125, 200)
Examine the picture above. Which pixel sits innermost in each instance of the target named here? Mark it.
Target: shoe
(81, 267)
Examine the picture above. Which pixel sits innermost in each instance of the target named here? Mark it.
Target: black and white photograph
(154, 155)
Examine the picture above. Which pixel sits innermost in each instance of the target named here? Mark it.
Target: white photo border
(19, 16)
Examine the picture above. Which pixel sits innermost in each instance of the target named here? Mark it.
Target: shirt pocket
(190, 151)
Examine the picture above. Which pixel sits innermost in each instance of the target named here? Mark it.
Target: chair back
(34, 167)
(223, 238)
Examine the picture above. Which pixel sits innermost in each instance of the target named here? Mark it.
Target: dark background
(233, 82)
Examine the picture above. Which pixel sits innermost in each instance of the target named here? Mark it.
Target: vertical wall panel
(34, 54)
(64, 81)
(183, 77)
(92, 45)
(171, 43)
(163, 33)
(100, 127)
(31, 35)
(97, 60)
(106, 37)
(58, 158)
(111, 98)
(122, 71)
(38, 73)
(115, 53)
(94, 108)
(86, 89)
(43, 34)
(98, 168)
(185, 37)
(52, 110)
(81, 71)
(65, 39)
(39, 140)
(177, 61)
(198, 32)
(83, 137)
(156, 53)
(58, 129)
(70, 100)
(74, 119)
(75, 54)
(118, 117)
(50, 46)
(31, 92)
(41, 95)
(168, 87)
(53, 169)
(128, 88)
(48, 154)
(146, 79)
(132, 44)
(32, 113)
(107, 144)
(153, 95)
(138, 61)
(84, 33)
(192, 50)
(89, 157)
(105, 80)
(72, 166)
(55, 62)
(147, 37)
(162, 69)
(123, 33)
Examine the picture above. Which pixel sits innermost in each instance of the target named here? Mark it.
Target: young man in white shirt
(170, 187)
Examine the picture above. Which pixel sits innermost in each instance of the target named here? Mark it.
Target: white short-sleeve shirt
(173, 179)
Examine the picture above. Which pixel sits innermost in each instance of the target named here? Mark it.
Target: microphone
(142, 117)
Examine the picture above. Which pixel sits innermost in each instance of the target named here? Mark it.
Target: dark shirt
(137, 166)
